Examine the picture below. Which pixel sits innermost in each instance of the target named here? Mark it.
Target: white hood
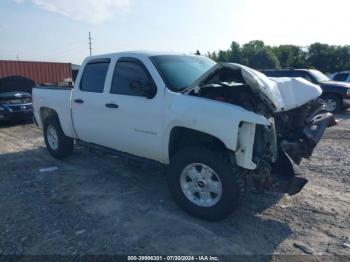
(283, 93)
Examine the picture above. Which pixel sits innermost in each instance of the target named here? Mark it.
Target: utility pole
(90, 43)
(17, 57)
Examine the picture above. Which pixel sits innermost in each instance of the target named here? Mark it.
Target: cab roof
(140, 53)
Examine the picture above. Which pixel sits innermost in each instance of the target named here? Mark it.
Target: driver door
(134, 123)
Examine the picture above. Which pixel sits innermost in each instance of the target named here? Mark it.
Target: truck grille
(16, 101)
(16, 108)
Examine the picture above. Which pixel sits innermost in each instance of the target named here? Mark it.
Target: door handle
(79, 101)
(111, 105)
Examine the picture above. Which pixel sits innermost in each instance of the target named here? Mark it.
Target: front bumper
(286, 176)
(5, 116)
(16, 112)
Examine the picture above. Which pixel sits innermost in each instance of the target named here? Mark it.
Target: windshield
(180, 71)
(320, 77)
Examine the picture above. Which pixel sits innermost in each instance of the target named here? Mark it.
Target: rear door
(88, 100)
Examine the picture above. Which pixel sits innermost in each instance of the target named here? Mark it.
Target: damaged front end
(298, 131)
(270, 153)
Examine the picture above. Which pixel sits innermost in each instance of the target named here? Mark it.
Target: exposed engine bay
(294, 131)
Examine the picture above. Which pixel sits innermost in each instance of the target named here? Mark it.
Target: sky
(57, 30)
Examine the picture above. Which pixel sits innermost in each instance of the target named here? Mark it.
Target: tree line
(255, 54)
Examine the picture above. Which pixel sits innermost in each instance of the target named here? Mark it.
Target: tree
(213, 56)
(264, 58)
(290, 56)
(326, 58)
(250, 49)
(223, 56)
(321, 56)
(341, 59)
(235, 53)
(285, 55)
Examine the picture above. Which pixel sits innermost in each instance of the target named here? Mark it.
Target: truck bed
(57, 98)
(55, 87)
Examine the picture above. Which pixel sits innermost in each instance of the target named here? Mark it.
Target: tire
(333, 103)
(64, 145)
(230, 178)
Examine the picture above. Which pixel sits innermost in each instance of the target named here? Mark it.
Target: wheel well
(45, 112)
(183, 137)
(332, 94)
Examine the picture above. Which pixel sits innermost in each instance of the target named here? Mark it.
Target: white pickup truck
(213, 125)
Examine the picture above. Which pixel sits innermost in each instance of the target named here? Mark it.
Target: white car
(211, 124)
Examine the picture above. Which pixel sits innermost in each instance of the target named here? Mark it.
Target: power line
(90, 43)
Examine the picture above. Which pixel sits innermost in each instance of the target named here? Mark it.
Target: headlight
(27, 100)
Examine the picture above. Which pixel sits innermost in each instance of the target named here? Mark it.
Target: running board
(127, 158)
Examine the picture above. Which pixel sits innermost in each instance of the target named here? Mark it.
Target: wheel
(56, 142)
(333, 103)
(204, 183)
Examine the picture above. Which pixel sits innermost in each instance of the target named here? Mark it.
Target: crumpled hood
(282, 94)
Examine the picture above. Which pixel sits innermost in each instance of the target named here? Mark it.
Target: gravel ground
(95, 204)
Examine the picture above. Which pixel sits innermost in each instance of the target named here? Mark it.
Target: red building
(39, 72)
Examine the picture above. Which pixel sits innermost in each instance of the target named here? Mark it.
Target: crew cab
(335, 94)
(212, 125)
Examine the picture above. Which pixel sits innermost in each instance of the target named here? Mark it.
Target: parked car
(335, 94)
(341, 77)
(15, 98)
(211, 124)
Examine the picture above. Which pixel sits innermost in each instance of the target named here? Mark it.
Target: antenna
(90, 43)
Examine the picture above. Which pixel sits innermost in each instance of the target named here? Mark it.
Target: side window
(306, 76)
(126, 74)
(94, 77)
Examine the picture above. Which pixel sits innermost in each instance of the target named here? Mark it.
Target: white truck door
(88, 102)
(134, 111)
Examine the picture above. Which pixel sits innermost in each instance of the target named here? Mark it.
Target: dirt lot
(95, 204)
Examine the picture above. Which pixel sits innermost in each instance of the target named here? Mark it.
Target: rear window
(340, 77)
(94, 77)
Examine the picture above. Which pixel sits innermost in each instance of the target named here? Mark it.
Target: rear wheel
(333, 103)
(57, 143)
(204, 183)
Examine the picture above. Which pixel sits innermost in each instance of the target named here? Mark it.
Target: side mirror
(147, 90)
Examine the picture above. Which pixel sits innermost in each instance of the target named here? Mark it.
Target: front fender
(221, 120)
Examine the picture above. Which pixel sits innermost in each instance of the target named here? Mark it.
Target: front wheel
(56, 142)
(333, 103)
(204, 183)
